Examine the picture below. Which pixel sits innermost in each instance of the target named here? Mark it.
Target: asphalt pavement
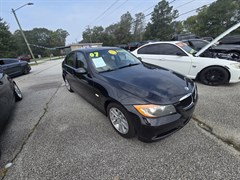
(55, 134)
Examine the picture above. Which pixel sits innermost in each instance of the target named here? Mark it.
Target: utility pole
(90, 34)
(24, 37)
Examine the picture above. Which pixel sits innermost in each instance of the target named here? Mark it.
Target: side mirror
(81, 71)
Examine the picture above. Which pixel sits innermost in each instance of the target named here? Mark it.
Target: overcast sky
(75, 15)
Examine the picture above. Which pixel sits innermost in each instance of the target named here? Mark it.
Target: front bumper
(234, 75)
(29, 68)
(168, 126)
(151, 129)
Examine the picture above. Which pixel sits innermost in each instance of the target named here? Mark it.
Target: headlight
(236, 65)
(151, 110)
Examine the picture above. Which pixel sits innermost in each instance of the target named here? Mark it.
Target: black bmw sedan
(139, 99)
(9, 93)
(14, 67)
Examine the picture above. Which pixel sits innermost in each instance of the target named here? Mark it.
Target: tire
(68, 86)
(25, 70)
(120, 120)
(214, 76)
(17, 93)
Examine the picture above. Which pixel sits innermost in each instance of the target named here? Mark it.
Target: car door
(82, 78)
(166, 55)
(68, 69)
(6, 98)
(11, 67)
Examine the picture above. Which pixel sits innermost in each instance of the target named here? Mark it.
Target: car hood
(217, 39)
(152, 83)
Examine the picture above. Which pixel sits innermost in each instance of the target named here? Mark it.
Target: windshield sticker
(94, 54)
(181, 44)
(121, 50)
(192, 51)
(98, 62)
(112, 52)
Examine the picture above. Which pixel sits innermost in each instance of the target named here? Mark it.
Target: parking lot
(55, 134)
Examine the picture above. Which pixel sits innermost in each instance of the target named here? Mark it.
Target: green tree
(114, 34)
(42, 41)
(123, 32)
(214, 19)
(20, 43)
(138, 27)
(179, 27)
(87, 35)
(111, 32)
(162, 22)
(7, 48)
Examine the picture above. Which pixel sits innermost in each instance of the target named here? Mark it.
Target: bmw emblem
(186, 88)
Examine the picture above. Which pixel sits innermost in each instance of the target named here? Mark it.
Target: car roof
(195, 40)
(8, 59)
(162, 42)
(91, 49)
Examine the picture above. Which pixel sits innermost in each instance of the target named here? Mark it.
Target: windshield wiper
(108, 70)
(130, 64)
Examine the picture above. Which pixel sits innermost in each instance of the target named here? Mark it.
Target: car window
(8, 61)
(198, 44)
(70, 59)
(186, 42)
(170, 49)
(112, 59)
(149, 49)
(186, 48)
(81, 60)
(161, 49)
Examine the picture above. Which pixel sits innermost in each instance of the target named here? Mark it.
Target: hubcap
(17, 90)
(118, 120)
(214, 76)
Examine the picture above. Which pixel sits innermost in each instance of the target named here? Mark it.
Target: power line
(105, 11)
(185, 12)
(121, 5)
(194, 10)
(172, 1)
(185, 4)
(115, 9)
(155, 5)
(43, 47)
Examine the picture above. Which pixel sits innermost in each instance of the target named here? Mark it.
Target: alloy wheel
(118, 120)
(17, 93)
(67, 85)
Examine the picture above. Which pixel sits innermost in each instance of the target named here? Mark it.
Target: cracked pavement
(55, 134)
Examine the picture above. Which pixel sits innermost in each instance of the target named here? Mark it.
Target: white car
(179, 57)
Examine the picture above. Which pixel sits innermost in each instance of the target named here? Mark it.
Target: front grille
(187, 101)
(194, 93)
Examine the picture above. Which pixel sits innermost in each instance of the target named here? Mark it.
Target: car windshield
(112, 59)
(186, 48)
